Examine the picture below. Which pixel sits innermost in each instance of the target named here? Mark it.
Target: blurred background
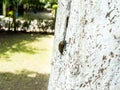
(26, 43)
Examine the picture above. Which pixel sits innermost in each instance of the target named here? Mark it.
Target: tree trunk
(14, 17)
(90, 60)
(4, 7)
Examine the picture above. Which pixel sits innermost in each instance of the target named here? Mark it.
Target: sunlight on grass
(33, 55)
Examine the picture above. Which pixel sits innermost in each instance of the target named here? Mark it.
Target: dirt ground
(25, 80)
(25, 61)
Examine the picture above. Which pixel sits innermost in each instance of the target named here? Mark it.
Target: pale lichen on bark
(91, 59)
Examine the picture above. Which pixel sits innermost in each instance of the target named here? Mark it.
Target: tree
(15, 4)
(90, 58)
(4, 6)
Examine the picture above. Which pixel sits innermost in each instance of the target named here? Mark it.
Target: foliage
(10, 13)
(51, 1)
(54, 6)
(43, 1)
(25, 25)
(36, 2)
(18, 23)
(48, 5)
(15, 2)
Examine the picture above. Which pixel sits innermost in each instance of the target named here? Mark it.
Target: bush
(54, 6)
(25, 26)
(10, 13)
(18, 24)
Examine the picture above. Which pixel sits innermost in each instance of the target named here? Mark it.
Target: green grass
(25, 61)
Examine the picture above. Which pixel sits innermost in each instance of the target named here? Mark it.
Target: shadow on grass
(16, 42)
(24, 80)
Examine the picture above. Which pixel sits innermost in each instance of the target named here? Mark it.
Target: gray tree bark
(91, 56)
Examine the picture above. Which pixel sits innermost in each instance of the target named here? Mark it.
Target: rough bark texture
(91, 57)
